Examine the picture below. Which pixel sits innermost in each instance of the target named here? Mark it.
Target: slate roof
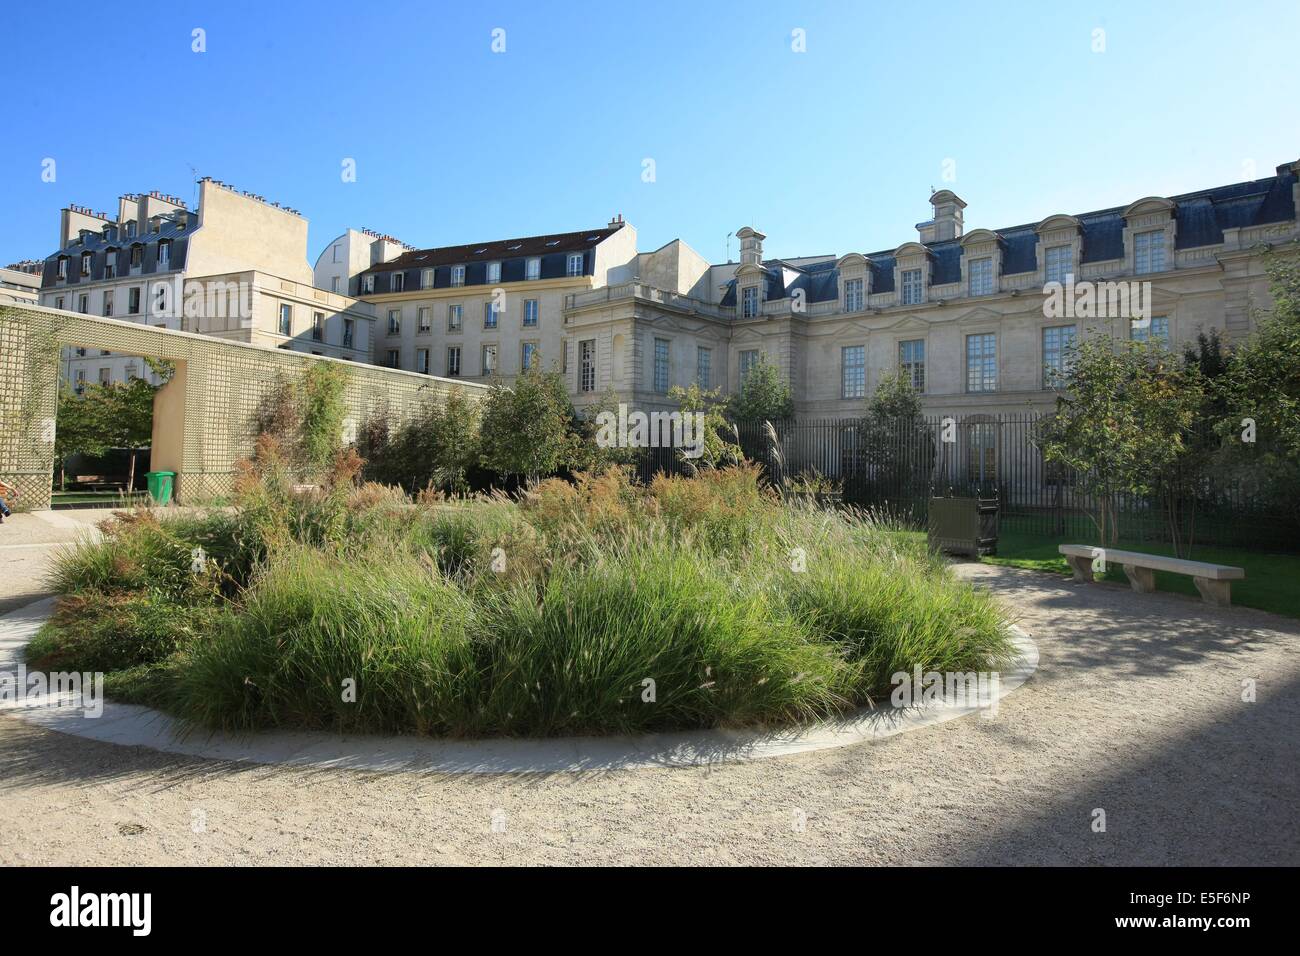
(96, 243)
(1201, 217)
(497, 250)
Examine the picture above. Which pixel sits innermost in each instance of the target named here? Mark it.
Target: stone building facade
(234, 268)
(967, 314)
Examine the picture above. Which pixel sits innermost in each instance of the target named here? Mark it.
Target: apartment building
(234, 268)
(975, 318)
(20, 283)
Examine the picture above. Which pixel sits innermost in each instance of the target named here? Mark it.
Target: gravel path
(1136, 709)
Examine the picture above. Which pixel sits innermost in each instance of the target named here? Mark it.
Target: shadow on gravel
(1223, 793)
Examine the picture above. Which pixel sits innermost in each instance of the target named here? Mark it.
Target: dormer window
(426, 278)
(575, 264)
(130, 227)
(137, 255)
(155, 223)
(368, 283)
(1149, 252)
(86, 259)
(397, 282)
(913, 288)
(63, 267)
(534, 269)
(493, 272)
(164, 253)
(853, 297)
(749, 302)
(1058, 263)
(980, 276)
(457, 275)
(110, 263)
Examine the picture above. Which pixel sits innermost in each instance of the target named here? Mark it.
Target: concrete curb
(134, 726)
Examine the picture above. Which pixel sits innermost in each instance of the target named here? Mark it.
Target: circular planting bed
(693, 613)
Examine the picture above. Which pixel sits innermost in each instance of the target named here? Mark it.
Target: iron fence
(895, 468)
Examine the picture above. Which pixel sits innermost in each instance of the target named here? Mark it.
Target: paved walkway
(1135, 709)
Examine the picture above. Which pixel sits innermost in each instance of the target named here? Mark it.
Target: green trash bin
(160, 485)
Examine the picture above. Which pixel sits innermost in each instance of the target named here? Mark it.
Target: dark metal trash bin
(966, 526)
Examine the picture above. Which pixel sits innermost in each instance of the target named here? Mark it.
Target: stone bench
(1214, 581)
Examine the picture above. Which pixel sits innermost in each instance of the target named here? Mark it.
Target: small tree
(1122, 423)
(764, 396)
(527, 427)
(719, 449)
(82, 425)
(897, 443)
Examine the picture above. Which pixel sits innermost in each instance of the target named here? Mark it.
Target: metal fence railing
(895, 469)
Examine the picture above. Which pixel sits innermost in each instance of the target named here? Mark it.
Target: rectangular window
(105, 376)
(318, 326)
(137, 256)
(110, 264)
(534, 269)
(1057, 342)
(58, 302)
(394, 358)
(425, 316)
(394, 321)
(1149, 252)
(982, 362)
(1059, 264)
(426, 278)
(286, 320)
(348, 326)
(83, 304)
(853, 371)
(1154, 330)
(587, 365)
(164, 253)
(748, 359)
(63, 268)
(979, 276)
(530, 312)
(455, 317)
(912, 287)
(368, 283)
(422, 361)
(490, 314)
(132, 371)
(853, 299)
(337, 251)
(397, 282)
(489, 359)
(334, 283)
(574, 265)
(704, 367)
(749, 302)
(528, 357)
(911, 362)
(457, 275)
(108, 303)
(493, 272)
(86, 259)
(661, 365)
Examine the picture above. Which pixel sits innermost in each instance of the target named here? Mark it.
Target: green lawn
(1272, 580)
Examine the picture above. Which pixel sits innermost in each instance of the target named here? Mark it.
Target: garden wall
(202, 418)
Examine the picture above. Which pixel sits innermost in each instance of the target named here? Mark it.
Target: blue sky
(827, 151)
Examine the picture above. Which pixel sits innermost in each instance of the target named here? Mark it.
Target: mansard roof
(1201, 218)
(497, 250)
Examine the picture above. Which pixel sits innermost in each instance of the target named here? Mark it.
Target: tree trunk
(130, 477)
